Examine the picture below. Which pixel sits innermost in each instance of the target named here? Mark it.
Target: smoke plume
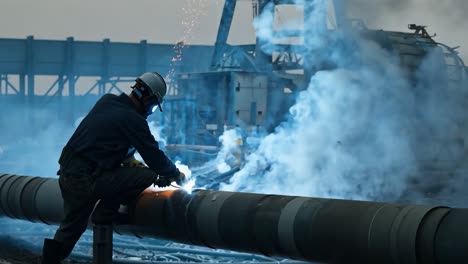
(361, 130)
(32, 138)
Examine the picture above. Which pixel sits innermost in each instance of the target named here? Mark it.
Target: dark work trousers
(82, 188)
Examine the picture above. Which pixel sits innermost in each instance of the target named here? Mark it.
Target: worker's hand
(163, 181)
(135, 164)
(181, 179)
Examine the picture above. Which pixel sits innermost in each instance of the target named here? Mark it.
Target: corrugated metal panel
(12, 55)
(49, 57)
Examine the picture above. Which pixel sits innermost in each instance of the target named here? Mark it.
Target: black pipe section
(311, 229)
(35, 199)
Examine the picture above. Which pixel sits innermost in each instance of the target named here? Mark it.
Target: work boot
(51, 251)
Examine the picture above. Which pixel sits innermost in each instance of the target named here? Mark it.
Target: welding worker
(97, 165)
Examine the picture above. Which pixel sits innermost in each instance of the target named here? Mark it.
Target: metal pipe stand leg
(102, 244)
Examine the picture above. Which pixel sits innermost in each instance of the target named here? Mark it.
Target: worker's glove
(162, 181)
(134, 163)
(181, 179)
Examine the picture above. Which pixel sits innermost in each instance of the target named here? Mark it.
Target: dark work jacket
(113, 127)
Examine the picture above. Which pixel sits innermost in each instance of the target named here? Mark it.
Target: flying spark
(192, 13)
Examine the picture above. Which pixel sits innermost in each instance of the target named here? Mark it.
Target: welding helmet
(150, 91)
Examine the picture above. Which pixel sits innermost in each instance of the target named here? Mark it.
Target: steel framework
(69, 60)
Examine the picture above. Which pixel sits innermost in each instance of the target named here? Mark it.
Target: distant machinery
(231, 92)
(412, 49)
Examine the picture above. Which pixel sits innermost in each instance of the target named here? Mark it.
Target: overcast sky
(196, 21)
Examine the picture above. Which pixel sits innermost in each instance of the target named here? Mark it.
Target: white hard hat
(155, 85)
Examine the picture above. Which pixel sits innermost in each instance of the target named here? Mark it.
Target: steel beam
(68, 67)
(223, 32)
(68, 57)
(312, 229)
(29, 61)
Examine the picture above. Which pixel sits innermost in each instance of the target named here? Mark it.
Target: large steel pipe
(312, 229)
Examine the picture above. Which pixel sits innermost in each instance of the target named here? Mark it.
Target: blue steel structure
(24, 61)
(68, 60)
(114, 63)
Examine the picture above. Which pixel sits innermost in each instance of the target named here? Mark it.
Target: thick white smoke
(344, 139)
(157, 132)
(358, 131)
(229, 155)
